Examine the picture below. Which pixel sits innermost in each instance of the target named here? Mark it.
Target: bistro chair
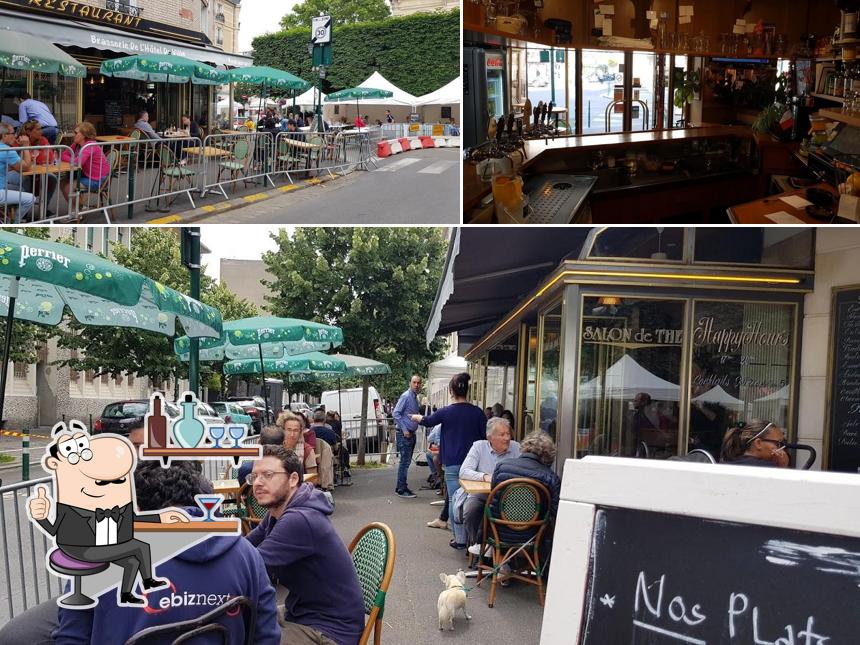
(516, 517)
(173, 171)
(254, 513)
(188, 630)
(237, 163)
(373, 550)
(102, 193)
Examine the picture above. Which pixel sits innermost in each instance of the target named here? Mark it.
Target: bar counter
(549, 155)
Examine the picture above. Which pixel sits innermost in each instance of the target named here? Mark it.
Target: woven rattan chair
(516, 516)
(373, 551)
(254, 513)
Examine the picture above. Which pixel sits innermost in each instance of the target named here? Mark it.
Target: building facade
(92, 31)
(245, 278)
(407, 7)
(653, 342)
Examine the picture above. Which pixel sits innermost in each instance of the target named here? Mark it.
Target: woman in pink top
(94, 167)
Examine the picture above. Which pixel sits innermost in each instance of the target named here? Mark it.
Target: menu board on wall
(844, 413)
(113, 114)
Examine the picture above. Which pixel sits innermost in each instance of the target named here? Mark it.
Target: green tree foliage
(418, 53)
(377, 284)
(155, 253)
(27, 338)
(343, 12)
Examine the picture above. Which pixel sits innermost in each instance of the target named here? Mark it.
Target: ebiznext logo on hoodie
(189, 599)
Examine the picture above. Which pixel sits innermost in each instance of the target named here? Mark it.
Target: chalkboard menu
(113, 114)
(661, 579)
(844, 446)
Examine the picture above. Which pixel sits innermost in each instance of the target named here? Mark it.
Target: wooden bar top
(756, 212)
(474, 190)
(195, 526)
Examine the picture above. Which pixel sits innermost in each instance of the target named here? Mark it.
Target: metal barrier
(378, 439)
(217, 468)
(399, 130)
(230, 158)
(35, 194)
(141, 170)
(25, 580)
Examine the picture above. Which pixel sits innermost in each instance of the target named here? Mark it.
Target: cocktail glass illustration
(236, 434)
(208, 504)
(217, 433)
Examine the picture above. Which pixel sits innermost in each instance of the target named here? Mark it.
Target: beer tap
(491, 129)
(500, 129)
(520, 128)
(510, 125)
(527, 112)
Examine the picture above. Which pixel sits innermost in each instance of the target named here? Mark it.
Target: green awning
(163, 68)
(268, 76)
(29, 53)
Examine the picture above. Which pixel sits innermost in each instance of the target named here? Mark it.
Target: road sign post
(321, 52)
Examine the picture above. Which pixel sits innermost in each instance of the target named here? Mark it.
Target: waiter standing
(31, 109)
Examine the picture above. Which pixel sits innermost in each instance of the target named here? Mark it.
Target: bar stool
(66, 565)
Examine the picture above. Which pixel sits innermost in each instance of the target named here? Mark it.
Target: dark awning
(72, 33)
(489, 270)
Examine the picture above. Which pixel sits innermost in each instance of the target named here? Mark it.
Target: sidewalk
(422, 554)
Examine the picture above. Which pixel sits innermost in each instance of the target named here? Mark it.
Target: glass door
(602, 91)
(495, 79)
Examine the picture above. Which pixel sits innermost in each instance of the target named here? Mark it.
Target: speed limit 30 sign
(321, 30)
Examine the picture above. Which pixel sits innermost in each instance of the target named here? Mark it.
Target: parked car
(249, 405)
(208, 415)
(119, 417)
(300, 406)
(232, 412)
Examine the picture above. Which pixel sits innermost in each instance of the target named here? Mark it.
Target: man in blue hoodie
(202, 577)
(303, 552)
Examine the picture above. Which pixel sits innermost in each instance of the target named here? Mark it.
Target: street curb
(238, 202)
(17, 466)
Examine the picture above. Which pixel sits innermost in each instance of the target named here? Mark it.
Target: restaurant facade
(651, 342)
(92, 31)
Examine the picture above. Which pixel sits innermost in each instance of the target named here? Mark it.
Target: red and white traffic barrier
(404, 144)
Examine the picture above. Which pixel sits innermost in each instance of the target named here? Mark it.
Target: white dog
(452, 599)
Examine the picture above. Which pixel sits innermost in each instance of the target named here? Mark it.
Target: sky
(257, 17)
(235, 242)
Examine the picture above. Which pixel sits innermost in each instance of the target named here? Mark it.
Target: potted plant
(687, 85)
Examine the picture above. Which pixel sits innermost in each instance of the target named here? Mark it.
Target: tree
(377, 284)
(342, 12)
(419, 53)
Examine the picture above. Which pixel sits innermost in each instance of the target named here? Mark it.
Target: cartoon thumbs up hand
(40, 506)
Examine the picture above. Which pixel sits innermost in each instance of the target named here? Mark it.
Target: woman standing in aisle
(462, 425)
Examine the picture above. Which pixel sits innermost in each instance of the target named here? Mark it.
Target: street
(416, 187)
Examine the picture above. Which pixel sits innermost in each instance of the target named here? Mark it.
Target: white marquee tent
(625, 379)
(439, 374)
(448, 94)
(379, 82)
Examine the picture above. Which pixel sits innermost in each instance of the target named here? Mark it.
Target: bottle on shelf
(838, 83)
(157, 425)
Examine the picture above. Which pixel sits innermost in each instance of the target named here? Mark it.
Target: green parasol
(358, 93)
(26, 52)
(272, 336)
(260, 337)
(267, 77)
(40, 278)
(18, 51)
(311, 362)
(163, 68)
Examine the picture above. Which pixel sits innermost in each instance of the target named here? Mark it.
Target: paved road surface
(417, 187)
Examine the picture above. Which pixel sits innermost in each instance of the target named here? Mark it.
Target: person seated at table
(537, 455)
(87, 156)
(389, 117)
(31, 135)
(378, 123)
(359, 123)
(142, 124)
(196, 571)
(293, 440)
(189, 126)
(308, 434)
(757, 443)
(249, 124)
(269, 436)
(268, 122)
(479, 464)
(11, 195)
(301, 548)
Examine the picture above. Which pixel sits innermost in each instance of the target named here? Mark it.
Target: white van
(349, 404)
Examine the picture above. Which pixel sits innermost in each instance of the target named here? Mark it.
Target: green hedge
(418, 53)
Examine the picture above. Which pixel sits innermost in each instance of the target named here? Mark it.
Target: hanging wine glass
(217, 433)
(236, 434)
